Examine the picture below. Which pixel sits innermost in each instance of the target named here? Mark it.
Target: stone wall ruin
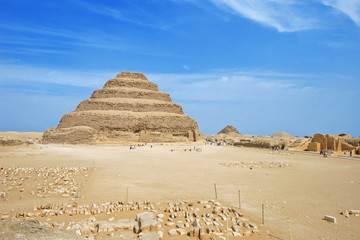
(335, 143)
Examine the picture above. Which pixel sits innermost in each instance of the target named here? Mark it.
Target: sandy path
(300, 194)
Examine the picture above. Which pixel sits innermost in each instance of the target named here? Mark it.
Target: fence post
(288, 219)
(215, 191)
(263, 217)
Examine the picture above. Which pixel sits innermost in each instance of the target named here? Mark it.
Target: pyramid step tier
(131, 83)
(130, 93)
(132, 75)
(88, 135)
(127, 104)
(128, 121)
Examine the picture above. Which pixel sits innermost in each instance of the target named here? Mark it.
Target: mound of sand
(19, 138)
(282, 135)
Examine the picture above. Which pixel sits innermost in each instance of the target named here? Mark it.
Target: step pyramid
(129, 108)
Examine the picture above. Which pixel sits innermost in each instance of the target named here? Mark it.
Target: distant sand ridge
(128, 108)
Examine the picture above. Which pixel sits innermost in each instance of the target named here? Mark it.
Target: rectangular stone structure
(330, 218)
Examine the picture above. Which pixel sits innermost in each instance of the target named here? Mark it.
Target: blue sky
(261, 66)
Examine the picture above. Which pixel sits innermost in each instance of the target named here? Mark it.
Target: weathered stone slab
(119, 225)
(146, 221)
(353, 212)
(330, 218)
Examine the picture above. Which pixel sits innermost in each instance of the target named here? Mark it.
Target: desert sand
(297, 189)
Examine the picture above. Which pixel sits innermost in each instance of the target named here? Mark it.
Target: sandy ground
(296, 197)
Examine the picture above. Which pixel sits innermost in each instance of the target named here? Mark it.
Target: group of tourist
(323, 153)
(275, 148)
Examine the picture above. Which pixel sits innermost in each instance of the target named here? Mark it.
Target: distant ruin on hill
(129, 108)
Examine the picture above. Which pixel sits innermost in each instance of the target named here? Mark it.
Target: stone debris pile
(93, 209)
(187, 150)
(347, 213)
(259, 164)
(41, 182)
(200, 219)
(215, 222)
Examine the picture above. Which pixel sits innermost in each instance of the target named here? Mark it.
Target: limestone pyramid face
(129, 108)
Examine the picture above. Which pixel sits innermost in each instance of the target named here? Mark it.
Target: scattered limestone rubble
(187, 150)
(347, 213)
(41, 182)
(202, 220)
(255, 164)
(94, 209)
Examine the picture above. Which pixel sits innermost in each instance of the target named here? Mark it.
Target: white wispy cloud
(33, 51)
(349, 7)
(230, 85)
(284, 16)
(186, 67)
(219, 85)
(65, 40)
(226, 84)
(123, 15)
(60, 37)
(17, 74)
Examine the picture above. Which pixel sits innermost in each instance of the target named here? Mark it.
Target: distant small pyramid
(129, 108)
(229, 129)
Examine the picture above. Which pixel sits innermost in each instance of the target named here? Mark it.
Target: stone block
(330, 218)
(173, 232)
(353, 212)
(146, 221)
(181, 231)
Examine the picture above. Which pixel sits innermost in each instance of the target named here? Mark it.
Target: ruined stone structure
(327, 142)
(129, 108)
(336, 143)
